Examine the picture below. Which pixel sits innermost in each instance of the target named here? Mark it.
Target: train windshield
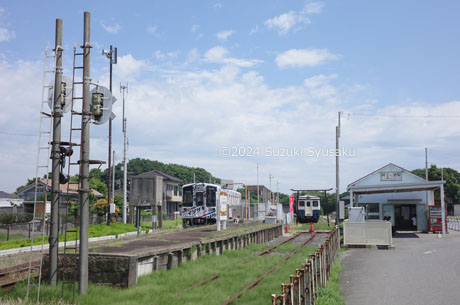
(187, 197)
(308, 203)
(199, 198)
(211, 196)
(315, 203)
(301, 203)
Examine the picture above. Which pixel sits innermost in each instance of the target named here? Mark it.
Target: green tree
(452, 186)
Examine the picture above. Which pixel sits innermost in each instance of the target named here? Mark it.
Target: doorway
(403, 217)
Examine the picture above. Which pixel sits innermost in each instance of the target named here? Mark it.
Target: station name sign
(391, 176)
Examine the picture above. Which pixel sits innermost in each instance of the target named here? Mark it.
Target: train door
(301, 209)
(308, 208)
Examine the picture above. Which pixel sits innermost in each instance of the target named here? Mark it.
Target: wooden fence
(304, 286)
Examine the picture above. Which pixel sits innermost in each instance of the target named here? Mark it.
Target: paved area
(422, 269)
(160, 239)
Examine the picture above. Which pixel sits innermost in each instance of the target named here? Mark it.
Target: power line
(18, 134)
(405, 115)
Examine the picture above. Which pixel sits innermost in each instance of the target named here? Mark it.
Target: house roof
(7, 195)
(73, 188)
(377, 170)
(157, 173)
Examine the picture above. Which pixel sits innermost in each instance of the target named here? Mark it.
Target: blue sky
(210, 74)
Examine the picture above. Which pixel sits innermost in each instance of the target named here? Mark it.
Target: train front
(199, 203)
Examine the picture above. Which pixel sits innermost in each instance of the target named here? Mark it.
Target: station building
(392, 191)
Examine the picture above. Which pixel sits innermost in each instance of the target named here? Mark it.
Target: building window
(176, 190)
(169, 187)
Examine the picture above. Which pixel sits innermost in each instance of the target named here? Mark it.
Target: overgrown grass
(320, 225)
(331, 293)
(167, 224)
(169, 287)
(102, 229)
(234, 230)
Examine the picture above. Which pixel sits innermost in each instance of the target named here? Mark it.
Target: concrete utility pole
(271, 193)
(277, 191)
(55, 155)
(110, 56)
(125, 144)
(258, 183)
(337, 180)
(84, 169)
(426, 163)
(113, 177)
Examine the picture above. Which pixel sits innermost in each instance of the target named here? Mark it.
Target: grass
(320, 225)
(165, 287)
(331, 293)
(94, 231)
(231, 231)
(167, 224)
(3, 236)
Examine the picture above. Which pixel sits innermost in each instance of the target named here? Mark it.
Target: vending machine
(435, 218)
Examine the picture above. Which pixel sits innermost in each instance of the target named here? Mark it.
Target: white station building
(392, 191)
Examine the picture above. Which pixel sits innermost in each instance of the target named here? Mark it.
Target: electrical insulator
(96, 106)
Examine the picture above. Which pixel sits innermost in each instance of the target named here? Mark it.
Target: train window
(308, 203)
(315, 203)
(187, 197)
(211, 196)
(301, 203)
(199, 199)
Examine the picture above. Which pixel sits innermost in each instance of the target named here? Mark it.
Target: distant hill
(138, 166)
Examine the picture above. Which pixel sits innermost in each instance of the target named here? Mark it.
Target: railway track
(254, 283)
(11, 275)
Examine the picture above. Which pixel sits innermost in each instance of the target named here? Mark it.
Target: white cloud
(313, 8)
(223, 36)
(128, 67)
(218, 55)
(6, 35)
(153, 29)
(254, 30)
(194, 28)
(294, 20)
(164, 56)
(304, 57)
(112, 29)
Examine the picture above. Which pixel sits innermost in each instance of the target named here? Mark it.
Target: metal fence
(453, 223)
(31, 229)
(304, 286)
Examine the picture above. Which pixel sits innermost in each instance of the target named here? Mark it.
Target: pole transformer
(84, 164)
(55, 156)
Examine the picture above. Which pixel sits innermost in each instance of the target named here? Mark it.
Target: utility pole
(113, 177)
(84, 169)
(277, 191)
(271, 193)
(125, 144)
(112, 56)
(55, 155)
(337, 180)
(426, 163)
(258, 183)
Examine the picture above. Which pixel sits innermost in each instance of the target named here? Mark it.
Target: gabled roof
(382, 168)
(73, 188)
(7, 195)
(157, 173)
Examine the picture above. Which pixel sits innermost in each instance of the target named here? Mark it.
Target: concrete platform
(121, 265)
